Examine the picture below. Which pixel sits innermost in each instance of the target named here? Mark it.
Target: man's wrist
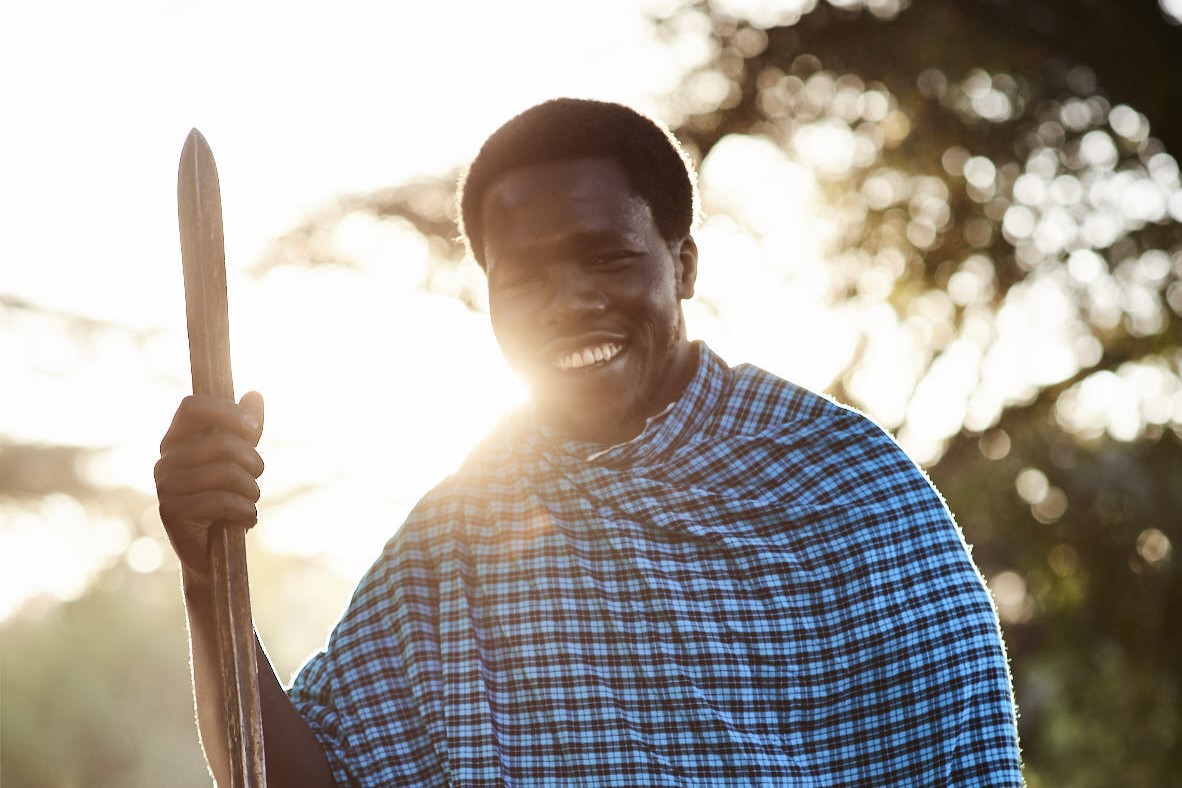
(198, 588)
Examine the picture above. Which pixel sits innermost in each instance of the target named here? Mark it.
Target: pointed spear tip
(196, 155)
(195, 141)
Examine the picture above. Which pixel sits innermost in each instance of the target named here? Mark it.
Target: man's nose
(574, 294)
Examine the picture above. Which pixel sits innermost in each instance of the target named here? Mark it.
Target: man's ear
(685, 255)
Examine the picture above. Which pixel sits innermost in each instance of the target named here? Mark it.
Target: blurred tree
(999, 201)
(93, 696)
(96, 690)
(1009, 193)
(1002, 208)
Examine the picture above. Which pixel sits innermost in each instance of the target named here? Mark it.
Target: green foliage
(1010, 159)
(1005, 148)
(1088, 590)
(1007, 208)
(96, 692)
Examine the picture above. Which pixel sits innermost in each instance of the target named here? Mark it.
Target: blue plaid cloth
(760, 589)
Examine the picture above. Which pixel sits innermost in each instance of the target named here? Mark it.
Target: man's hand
(206, 473)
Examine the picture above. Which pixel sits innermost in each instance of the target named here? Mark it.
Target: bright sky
(375, 388)
(300, 101)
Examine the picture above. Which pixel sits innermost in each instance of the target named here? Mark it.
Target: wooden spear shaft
(203, 256)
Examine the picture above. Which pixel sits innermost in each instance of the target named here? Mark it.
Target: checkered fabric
(760, 589)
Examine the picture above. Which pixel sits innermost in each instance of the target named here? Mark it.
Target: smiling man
(663, 571)
(585, 294)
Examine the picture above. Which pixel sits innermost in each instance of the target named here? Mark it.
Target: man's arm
(293, 754)
(206, 475)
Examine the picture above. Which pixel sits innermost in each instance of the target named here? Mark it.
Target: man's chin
(593, 428)
(582, 389)
(592, 416)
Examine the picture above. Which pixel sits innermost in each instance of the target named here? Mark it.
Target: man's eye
(610, 259)
(520, 280)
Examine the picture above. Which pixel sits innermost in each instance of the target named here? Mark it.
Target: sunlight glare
(1172, 9)
(37, 559)
(375, 390)
(766, 13)
(829, 146)
(763, 280)
(362, 370)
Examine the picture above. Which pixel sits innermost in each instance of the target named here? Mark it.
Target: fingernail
(252, 422)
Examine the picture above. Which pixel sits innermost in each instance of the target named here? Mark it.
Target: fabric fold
(760, 588)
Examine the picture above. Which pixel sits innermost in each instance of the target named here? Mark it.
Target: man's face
(585, 295)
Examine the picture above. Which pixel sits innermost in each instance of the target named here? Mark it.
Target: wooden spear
(203, 255)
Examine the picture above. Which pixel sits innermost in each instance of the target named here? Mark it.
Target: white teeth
(597, 354)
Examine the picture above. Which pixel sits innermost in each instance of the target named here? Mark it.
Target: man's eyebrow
(595, 237)
(540, 248)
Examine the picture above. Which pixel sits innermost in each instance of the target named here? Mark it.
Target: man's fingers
(199, 415)
(194, 514)
(182, 457)
(252, 403)
(214, 477)
(224, 507)
(207, 470)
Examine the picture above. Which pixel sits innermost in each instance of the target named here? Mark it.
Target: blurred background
(961, 217)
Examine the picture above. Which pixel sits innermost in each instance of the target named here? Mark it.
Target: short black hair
(566, 128)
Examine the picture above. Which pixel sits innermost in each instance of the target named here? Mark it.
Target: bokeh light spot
(994, 445)
(1153, 546)
(1032, 485)
(1052, 506)
(145, 555)
(1014, 605)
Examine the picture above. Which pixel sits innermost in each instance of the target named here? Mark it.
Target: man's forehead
(576, 192)
(575, 178)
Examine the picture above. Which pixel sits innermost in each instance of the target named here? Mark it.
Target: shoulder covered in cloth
(761, 583)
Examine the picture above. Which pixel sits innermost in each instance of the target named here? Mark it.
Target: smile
(589, 356)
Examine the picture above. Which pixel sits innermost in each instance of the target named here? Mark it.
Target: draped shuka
(759, 589)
